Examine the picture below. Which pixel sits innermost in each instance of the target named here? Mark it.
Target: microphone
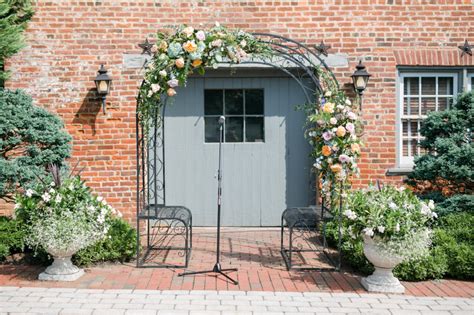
(221, 120)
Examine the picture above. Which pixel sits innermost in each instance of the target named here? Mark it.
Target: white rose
(163, 73)
(397, 227)
(381, 228)
(333, 121)
(348, 102)
(431, 204)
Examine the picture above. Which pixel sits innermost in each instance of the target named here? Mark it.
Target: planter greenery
(63, 217)
(393, 225)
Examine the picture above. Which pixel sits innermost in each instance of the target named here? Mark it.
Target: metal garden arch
(295, 59)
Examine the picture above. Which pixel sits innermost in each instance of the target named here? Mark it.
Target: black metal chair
(170, 223)
(302, 227)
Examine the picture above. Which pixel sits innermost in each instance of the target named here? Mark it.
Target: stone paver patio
(255, 251)
(95, 301)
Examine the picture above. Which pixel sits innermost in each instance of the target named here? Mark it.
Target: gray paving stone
(314, 309)
(174, 312)
(253, 308)
(224, 308)
(75, 312)
(444, 307)
(282, 309)
(414, 307)
(141, 312)
(97, 306)
(189, 307)
(127, 306)
(109, 312)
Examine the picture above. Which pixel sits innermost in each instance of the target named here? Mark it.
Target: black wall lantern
(102, 83)
(360, 78)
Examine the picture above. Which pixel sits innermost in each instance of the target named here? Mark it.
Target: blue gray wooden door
(260, 179)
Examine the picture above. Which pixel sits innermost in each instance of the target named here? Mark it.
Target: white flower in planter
(381, 228)
(350, 214)
(368, 231)
(46, 197)
(392, 205)
(29, 193)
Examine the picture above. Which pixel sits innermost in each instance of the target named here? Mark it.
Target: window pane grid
(235, 104)
(421, 95)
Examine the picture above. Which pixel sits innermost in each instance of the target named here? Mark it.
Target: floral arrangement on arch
(332, 129)
(178, 54)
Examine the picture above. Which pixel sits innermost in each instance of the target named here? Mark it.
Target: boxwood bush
(12, 237)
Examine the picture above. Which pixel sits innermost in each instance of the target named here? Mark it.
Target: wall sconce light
(102, 83)
(360, 79)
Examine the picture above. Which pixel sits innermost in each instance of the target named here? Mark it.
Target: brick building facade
(399, 40)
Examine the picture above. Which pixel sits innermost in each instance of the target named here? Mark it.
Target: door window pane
(243, 111)
(254, 102)
(234, 129)
(211, 129)
(213, 102)
(234, 102)
(254, 129)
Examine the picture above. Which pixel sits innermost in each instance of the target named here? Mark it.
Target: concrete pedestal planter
(62, 268)
(382, 280)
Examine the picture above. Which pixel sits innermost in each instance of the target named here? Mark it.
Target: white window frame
(404, 161)
(470, 77)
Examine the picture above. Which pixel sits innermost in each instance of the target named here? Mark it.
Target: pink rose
(352, 116)
(350, 127)
(201, 35)
(327, 136)
(173, 83)
(343, 158)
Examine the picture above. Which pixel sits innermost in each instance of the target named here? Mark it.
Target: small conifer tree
(31, 138)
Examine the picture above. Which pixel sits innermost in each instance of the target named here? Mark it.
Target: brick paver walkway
(254, 251)
(89, 301)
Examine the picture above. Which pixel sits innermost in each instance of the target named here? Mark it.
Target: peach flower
(326, 150)
(336, 168)
(188, 31)
(190, 46)
(179, 63)
(163, 45)
(355, 147)
(341, 131)
(328, 108)
(171, 92)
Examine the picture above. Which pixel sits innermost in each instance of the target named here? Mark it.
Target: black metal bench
(302, 225)
(170, 222)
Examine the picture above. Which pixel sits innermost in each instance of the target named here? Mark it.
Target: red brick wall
(67, 41)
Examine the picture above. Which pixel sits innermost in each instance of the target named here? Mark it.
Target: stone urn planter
(382, 280)
(62, 268)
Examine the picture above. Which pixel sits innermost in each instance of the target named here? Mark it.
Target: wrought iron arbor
(166, 223)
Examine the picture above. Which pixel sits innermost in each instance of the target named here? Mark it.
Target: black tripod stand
(217, 267)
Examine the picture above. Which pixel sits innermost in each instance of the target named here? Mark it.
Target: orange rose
(355, 148)
(190, 46)
(326, 150)
(336, 168)
(179, 63)
(341, 131)
(197, 63)
(328, 108)
(171, 92)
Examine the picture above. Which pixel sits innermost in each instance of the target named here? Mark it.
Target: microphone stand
(217, 267)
